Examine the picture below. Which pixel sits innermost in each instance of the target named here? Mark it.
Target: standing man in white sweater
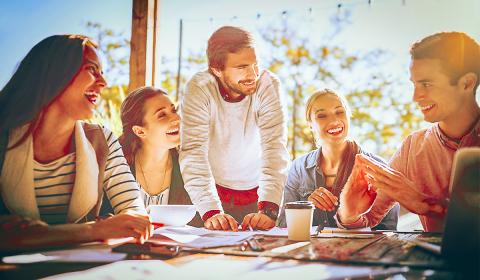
(233, 154)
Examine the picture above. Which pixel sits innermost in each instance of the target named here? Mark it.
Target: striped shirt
(54, 182)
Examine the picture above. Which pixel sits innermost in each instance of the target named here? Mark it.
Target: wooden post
(179, 61)
(142, 43)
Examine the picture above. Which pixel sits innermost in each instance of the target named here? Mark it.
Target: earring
(315, 140)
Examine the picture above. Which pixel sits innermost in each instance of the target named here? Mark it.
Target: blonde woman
(320, 175)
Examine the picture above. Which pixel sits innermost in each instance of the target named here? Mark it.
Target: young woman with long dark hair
(55, 168)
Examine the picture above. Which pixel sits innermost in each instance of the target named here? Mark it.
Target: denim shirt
(304, 178)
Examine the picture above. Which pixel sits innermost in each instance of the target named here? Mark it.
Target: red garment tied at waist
(240, 197)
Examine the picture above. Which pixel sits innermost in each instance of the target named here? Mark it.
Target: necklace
(163, 179)
(325, 175)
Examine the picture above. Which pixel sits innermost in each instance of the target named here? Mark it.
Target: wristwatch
(271, 212)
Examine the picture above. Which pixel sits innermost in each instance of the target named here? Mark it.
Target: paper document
(290, 247)
(199, 238)
(69, 255)
(193, 237)
(314, 271)
(277, 231)
(133, 269)
(203, 238)
(225, 267)
(28, 258)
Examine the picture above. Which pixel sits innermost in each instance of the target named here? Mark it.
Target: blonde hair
(311, 100)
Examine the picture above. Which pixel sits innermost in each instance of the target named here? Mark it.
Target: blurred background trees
(114, 52)
(382, 116)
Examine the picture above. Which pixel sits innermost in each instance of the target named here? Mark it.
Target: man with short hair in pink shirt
(445, 72)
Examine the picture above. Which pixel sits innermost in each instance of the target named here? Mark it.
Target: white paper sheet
(224, 267)
(290, 247)
(133, 269)
(27, 258)
(193, 237)
(291, 269)
(70, 255)
(202, 238)
(276, 231)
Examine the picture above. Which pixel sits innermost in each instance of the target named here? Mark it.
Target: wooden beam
(151, 42)
(142, 43)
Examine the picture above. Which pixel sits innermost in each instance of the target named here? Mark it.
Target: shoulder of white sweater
(269, 86)
(268, 83)
(202, 79)
(200, 87)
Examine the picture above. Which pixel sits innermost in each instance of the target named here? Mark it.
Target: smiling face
(240, 74)
(79, 99)
(329, 120)
(161, 123)
(437, 98)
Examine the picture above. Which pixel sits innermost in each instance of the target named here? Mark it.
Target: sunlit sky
(390, 24)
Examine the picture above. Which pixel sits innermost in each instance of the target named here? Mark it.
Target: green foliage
(108, 109)
(114, 49)
(381, 116)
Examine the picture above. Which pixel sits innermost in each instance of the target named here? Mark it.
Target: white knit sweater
(236, 145)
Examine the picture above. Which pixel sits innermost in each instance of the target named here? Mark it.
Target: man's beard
(235, 87)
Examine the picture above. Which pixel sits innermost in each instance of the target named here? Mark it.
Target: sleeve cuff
(268, 208)
(360, 223)
(210, 214)
(204, 207)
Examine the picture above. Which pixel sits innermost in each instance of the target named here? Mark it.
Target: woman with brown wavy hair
(150, 137)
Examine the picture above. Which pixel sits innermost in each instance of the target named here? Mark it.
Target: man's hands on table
(221, 221)
(228, 223)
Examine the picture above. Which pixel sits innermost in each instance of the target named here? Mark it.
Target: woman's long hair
(42, 75)
(132, 113)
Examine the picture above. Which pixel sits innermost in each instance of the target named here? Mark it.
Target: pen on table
(349, 231)
(319, 228)
(157, 225)
(252, 244)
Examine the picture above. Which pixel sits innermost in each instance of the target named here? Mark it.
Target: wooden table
(276, 265)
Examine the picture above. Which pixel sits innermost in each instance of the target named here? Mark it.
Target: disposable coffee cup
(299, 215)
